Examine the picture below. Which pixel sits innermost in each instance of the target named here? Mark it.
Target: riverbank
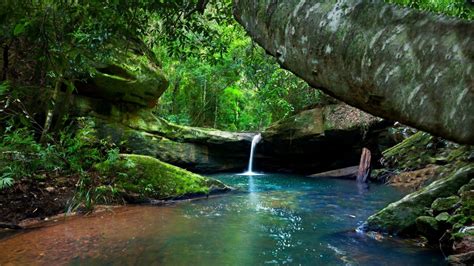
(37, 198)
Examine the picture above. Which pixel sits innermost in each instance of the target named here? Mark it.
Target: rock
(140, 132)
(467, 187)
(322, 51)
(457, 219)
(133, 76)
(428, 227)
(463, 243)
(50, 189)
(462, 259)
(414, 179)
(146, 178)
(412, 153)
(442, 217)
(321, 139)
(399, 217)
(445, 204)
(467, 203)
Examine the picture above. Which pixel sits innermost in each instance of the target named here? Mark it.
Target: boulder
(321, 139)
(400, 217)
(132, 76)
(467, 203)
(457, 219)
(442, 217)
(444, 204)
(468, 187)
(428, 227)
(147, 178)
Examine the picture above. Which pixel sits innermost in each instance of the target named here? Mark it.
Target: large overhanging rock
(393, 62)
(132, 76)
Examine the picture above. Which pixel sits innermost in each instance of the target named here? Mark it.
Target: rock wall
(321, 139)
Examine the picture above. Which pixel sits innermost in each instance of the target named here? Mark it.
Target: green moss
(442, 217)
(469, 186)
(412, 153)
(151, 178)
(467, 203)
(457, 219)
(444, 204)
(400, 216)
(132, 75)
(427, 226)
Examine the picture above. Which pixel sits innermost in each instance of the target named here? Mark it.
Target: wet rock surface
(321, 139)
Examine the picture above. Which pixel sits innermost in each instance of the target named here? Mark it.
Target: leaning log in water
(364, 167)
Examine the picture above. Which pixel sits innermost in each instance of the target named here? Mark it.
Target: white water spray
(256, 139)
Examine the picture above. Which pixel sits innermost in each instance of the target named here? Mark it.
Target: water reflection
(281, 220)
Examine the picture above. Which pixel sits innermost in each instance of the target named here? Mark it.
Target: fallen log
(343, 173)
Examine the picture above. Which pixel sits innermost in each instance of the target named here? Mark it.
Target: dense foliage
(219, 77)
(457, 8)
(239, 89)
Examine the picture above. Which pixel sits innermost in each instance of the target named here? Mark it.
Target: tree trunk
(49, 114)
(397, 63)
(6, 49)
(364, 166)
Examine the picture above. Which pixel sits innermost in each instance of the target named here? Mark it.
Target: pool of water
(273, 219)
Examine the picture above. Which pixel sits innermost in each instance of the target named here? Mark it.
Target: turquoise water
(272, 219)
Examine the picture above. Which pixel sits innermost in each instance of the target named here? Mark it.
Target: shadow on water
(274, 219)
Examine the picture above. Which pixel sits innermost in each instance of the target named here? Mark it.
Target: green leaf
(19, 29)
(3, 88)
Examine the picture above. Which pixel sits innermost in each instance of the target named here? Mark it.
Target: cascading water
(256, 139)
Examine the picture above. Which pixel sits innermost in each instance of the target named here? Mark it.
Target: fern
(6, 180)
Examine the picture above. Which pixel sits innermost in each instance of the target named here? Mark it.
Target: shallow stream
(274, 219)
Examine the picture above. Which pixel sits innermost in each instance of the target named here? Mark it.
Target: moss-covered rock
(445, 204)
(149, 178)
(400, 216)
(457, 219)
(469, 186)
(428, 227)
(132, 75)
(442, 217)
(412, 153)
(467, 203)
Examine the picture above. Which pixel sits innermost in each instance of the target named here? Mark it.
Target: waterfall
(256, 139)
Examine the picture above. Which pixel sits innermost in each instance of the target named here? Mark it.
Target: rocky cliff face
(321, 139)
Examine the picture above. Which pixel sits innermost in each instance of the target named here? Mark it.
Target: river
(272, 219)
